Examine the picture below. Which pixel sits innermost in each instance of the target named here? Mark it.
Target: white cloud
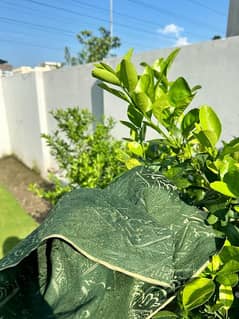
(182, 41)
(171, 29)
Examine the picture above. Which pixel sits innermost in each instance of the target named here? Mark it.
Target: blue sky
(33, 31)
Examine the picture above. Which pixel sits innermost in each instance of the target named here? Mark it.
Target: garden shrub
(87, 157)
(186, 152)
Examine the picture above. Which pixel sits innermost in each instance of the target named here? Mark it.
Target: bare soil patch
(16, 177)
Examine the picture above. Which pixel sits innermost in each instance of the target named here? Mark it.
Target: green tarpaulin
(117, 253)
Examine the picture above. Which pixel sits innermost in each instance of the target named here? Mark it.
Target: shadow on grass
(9, 243)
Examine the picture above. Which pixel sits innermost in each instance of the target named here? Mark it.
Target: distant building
(5, 68)
(233, 19)
(51, 65)
(22, 70)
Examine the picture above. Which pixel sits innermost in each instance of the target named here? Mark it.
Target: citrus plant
(187, 153)
(86, 157)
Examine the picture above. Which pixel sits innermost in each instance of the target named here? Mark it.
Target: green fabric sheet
(117, 253)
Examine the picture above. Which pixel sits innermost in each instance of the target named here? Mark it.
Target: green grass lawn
(15, 223)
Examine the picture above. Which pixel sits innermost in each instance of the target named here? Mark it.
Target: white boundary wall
(26, 99)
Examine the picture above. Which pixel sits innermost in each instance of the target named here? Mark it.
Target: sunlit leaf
(115, 92)
(180, 93)
(135, 148)
(222, 188)
(210, 123)
(228, 279)
(226, 296)
(197, 292)
(128, 75)
(106, 76)
(189, 120)
(143, 102)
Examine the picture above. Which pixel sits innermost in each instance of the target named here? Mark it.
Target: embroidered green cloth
(117, 253)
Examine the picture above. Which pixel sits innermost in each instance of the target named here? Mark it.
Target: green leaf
(105, 66)
(115, 92)
(197, 292)
(232, 233)
(106, 76)
(166, 64)
(210, 124)
(222, 188)
(129, 125)
(135, 148)
(143, 83)
(203, 139)
(134, 115)
(231, 147)
(143, 102)
(150, 88)
(189, 120)
(232, 180)
(180, 93)
(212, 219)
(229, 253)
(128, 75)
(165, 315)
(226, 296)
(196, 87)
(160, 104)
(228, 279)
(128, 54)
(230, 267)
(132, 162)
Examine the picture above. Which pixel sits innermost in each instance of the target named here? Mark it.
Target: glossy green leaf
(132, 162)
(212, 219)
(134, 115)
(228, 279)
(210, 123)
(150, 89)
(128, 75)
(231, 266)
(180, 93)
(160, 104)
(115, 92)
(189, 120)
(105, 66)
(229, 253)
(232, 233)
(135, 148)
(165, 315)
(232, 180)
(231, 147)
(226, 296)
(128, 54)
(129, 125)
(143, 83)
(196, 87)
(203, 139)
(166, 63)
(143, 102)
(215, 264)
(106, 76)
(222, 188)
(197, 292)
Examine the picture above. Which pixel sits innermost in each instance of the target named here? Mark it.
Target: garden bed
(16, 177)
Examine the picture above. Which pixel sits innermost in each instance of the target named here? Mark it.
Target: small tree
(85, 158)
(94, 48)
(216, 37)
